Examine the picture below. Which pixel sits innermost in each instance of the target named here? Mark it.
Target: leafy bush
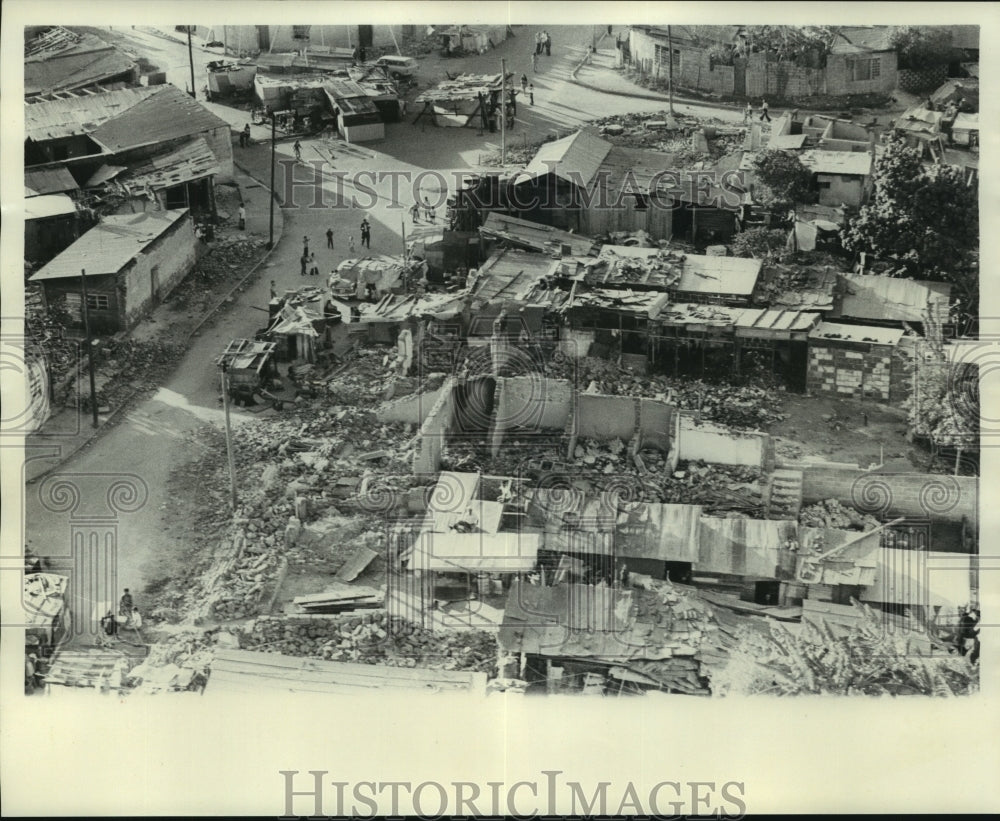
(784, 177)
(920, 49)
(760, 243)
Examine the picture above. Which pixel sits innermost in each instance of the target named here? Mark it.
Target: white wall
(721, 446)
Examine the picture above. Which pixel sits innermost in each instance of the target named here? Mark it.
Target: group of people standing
(543, 43)
(309, 266)
(428, 209)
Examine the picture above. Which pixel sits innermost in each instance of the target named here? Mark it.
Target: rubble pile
(228, 261)
(672, 134)
(831, 513)
(742, 407)
(372, 638)
(178, 662)
(132, 365)
(45, 327)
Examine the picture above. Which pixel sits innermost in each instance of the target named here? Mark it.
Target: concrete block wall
(782, 79)
(839, 371)
(719, 445)
(173, 254)
(431, 439)
(838, 75)
(919, 495)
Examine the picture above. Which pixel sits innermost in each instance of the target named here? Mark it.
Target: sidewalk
(70, 429)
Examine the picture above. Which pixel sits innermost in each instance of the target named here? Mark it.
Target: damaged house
(58, 60)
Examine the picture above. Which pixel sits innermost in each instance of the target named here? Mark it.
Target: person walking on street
(366, 233)
(748, 113)
(305, 262)
(524, 83)
(243, 217)
(246, 135)
(763, 111)
(305, 246)
(298, 150)
(512, 101)
(548, 45)
(538, 42)
(428, 211)
(313, 267)
(531, 94)
(352, 249)
(329, 238)
(243, 139)
(510, 116)
(534, 62)
(415, 212)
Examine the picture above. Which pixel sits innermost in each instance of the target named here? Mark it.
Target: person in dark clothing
(531, 94)
(548, 44)
(109, 624)
(329, 238)
(305, 262)
(366, 233)
(305, 246)
(524, 83)
(512, 102)
(246, 135)
(126, 604)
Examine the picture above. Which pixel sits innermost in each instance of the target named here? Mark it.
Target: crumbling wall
(720, 446)
(431, 438)
(413, 409)
(920, 495)
(171, 256)
(656, 423)
(576, 344)
(606, 417)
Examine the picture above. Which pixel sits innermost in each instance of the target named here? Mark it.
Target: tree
(784, 178)
(864, 659)
(921, 49)
(927, 219)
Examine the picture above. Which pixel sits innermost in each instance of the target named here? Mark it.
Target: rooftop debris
(831, 513)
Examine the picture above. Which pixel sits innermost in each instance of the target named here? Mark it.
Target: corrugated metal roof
(698, 273)
(743, 547)
(167, 114)
(856, 333)
(79, 114)
(852, 39)
(49, 205)
(78, 70)
(506, 273)
(892, 298)
(111, 245)
(191, 161)
(576, 158)
(854, 163)
(343, 89)
(535, 236)
(55, 180)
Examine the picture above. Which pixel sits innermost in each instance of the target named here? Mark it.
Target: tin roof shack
(51, 224)
(891, 301)
(466, 100)
(62, 60)
(843, 177)
(230, 78)
(597, 639)
(358, 118)
(52, 180)
(132, 262)
(125, 127)
(179, 178)
(302, 328)
(686, 277)
(858, 361)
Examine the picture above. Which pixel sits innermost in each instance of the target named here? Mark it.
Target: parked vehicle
(397, 66)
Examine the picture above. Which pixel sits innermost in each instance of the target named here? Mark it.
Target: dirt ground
(844, 430)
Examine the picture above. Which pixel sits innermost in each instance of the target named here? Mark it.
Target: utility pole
(270, 240)
(402, 224)
(503, 111)
(194, 93)
(670, 64)
(90, 347)
(229, 434)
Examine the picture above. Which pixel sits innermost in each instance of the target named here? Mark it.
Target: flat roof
(699, 273)
(855, 163)
(856, 333)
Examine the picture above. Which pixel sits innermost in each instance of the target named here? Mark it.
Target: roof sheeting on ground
(507, 552)
(53, 180)
(465, 87)
(536, 237)
(111, 245)
(667, 532)
(892, 298)
(393, 308)
(50, 205)
(918, 121)
(245, 671)
(870, 334)
(575, 159)
(695, 273)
